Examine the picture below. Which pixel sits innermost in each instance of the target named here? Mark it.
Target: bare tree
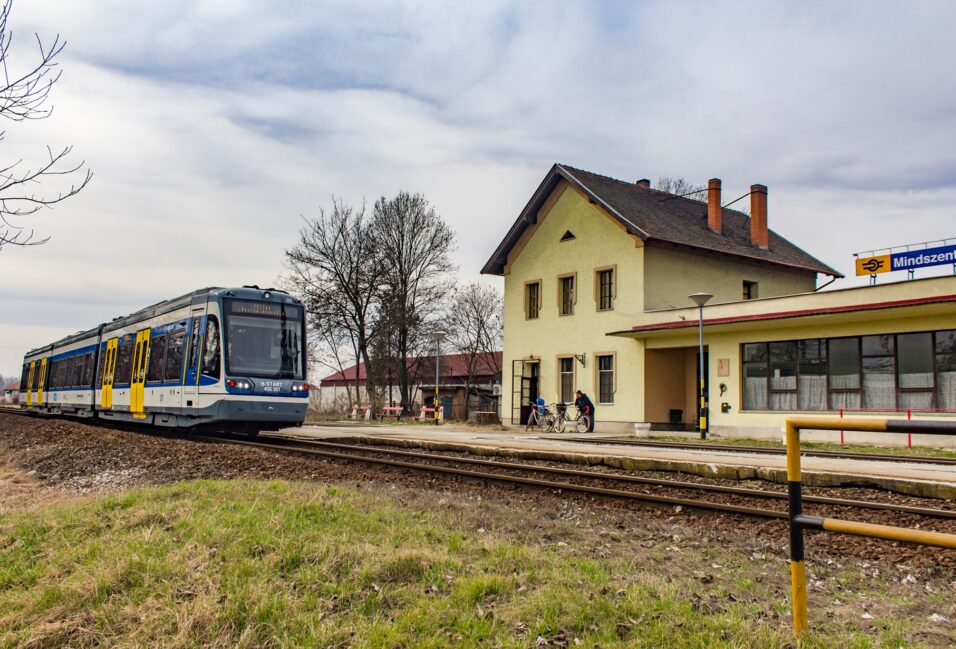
(414, 245)
(474, 323)
(23, 97)
(680, 186)
(336, 270)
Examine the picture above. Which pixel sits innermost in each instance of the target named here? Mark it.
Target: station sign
(907, 260)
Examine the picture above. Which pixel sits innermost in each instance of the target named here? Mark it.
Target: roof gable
(653, 215)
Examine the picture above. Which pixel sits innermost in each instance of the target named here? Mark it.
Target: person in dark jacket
(584, 405)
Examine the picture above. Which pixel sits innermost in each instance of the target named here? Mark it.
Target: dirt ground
(47, 460)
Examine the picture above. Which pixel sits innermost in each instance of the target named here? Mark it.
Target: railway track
(588, 482)
(697, 495)
(763, 450)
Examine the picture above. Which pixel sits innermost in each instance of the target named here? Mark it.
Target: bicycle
(582, 422)
(545, 419)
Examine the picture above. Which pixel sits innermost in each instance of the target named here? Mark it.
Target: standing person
(583, 404)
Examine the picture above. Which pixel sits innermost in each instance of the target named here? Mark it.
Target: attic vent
(568, 235)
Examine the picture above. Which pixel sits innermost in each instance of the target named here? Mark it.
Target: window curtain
(947, 390)
(879, 391)
(755, 393)
(813, 392)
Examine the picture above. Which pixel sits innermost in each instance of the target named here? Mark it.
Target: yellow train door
(138, 379)
(109, 368)
(41, 382)
(33, 369)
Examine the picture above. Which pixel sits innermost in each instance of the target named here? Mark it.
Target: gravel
(84, 459)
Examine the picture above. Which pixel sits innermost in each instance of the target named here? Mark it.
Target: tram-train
(231, 357)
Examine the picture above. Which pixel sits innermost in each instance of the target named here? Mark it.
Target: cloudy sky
(213, 126)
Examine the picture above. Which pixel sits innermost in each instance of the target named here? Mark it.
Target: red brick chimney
(643, 183)
(714, 213)
(758, 216)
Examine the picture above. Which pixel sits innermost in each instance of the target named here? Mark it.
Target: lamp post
(438, 336)
(700, 299)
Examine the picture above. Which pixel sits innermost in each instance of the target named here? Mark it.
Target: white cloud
(212, 126)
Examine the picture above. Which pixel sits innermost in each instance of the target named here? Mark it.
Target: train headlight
(240, 384)
(300, 387)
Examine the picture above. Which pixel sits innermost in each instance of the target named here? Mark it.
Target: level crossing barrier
(391, 412)
(361, 411)
(800, 521)
(428, 414)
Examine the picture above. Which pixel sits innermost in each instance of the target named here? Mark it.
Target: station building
(597, 276)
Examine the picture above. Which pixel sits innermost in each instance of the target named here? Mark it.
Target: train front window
(264, 339)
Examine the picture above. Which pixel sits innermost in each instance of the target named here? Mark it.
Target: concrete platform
(917, 479)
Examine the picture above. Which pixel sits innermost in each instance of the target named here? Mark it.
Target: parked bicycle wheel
(559, 424)
(583, 422)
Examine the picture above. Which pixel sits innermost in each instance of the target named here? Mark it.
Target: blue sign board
(908, 260)
(923, 258)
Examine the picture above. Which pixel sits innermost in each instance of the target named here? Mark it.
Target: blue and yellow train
(231, 358)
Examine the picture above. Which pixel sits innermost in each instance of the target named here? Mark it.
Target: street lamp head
(439, 335)
(700, 299)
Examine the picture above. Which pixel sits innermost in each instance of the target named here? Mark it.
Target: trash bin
(676, 416)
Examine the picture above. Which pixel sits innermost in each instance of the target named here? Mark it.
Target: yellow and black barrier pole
(798, 574)
(799, 521)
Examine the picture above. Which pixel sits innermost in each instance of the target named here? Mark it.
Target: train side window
(194, 344)
(124, 363)
(88, 368)
(101, 358)
(157, 358)
(59, 376)
(211, 347)
(79, 369)
(174, 356)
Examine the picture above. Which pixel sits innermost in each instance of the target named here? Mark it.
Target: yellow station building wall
(656, 370)
(670, 272)
(541, 255)
(724, 341)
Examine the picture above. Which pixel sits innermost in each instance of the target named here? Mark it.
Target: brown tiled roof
(451, 368)
(657, 216)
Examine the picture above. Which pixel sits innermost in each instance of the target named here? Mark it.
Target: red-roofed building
(11, 393)
(336, 391)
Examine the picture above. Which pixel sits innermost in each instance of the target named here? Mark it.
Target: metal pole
(798, 574)
(437, 360)
(702, 415)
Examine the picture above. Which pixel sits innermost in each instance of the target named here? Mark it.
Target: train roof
(158, 309)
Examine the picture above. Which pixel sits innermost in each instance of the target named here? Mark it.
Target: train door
(192, 353)
(33, 369)
(109, 369)
(41, 382)
(138, 376)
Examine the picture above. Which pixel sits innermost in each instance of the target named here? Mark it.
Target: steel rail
(919, 459)
(675, 484)
(498, 477)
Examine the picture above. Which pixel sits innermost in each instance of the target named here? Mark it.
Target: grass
(278, 564)
(921, 451)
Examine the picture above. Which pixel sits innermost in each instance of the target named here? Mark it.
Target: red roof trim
(680, 324)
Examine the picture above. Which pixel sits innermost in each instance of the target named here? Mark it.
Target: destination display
(907, 260)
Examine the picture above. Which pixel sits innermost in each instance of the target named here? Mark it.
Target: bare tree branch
(474, 324)
(23, 97)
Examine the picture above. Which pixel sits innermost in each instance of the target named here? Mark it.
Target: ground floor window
(881, 372)
(567, 379)
(605, 369)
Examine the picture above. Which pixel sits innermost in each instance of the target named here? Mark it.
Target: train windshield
(264, 339)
